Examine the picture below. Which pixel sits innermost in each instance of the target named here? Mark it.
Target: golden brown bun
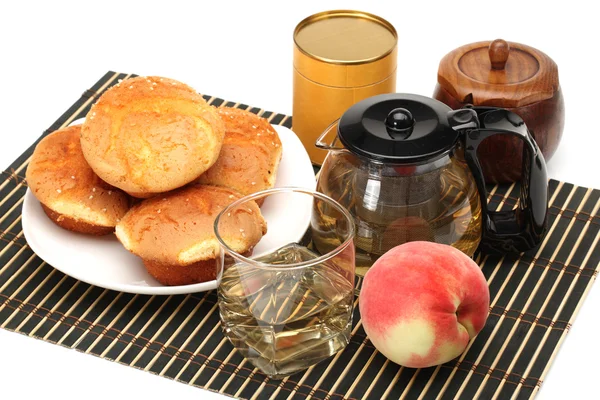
(149, 135)
(175, 275)
(72, 195)
(174, 233)
(250, 154)
(75, 225)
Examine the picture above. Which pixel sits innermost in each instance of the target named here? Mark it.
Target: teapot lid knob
(498, 52)
(399, 123)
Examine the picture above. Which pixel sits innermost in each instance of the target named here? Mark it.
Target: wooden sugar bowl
(513, 76)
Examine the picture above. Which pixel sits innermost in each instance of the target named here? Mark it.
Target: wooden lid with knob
(498, 73)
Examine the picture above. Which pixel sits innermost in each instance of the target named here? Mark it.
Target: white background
(50, 52)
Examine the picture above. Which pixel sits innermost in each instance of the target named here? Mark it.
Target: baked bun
(149, 135)
(72, 195)
(250, 154)
(174, 233)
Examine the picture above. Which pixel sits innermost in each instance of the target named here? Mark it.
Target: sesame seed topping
(173, 83)
(104, 209)
(253, 126)
(229, 214)
(118, 219)
(120, 80)
(92, 117)
(164, 198)
(72, 176)
(151, 88)
(91, 196)
(154, 83)
(131, 87)
(258, 134)
(253, 183)
(243, 234)
(109, 192)
(158, 211)
(58, 190)
(93, 189)
(241, 230)
(231, 196)
(94, 113)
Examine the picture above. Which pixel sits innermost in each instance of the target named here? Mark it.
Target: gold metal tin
(340, 58)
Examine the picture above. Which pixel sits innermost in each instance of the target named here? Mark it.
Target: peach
(422, 302)
(405, 170)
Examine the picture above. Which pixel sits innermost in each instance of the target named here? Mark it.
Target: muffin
(71, 194)
(174, 235)
(249, 156)
(149, 135)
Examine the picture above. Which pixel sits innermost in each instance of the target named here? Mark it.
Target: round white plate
(104, 262)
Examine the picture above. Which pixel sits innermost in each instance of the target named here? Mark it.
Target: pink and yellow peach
(422, 302)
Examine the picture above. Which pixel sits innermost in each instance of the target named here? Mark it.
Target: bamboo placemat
(534, 299)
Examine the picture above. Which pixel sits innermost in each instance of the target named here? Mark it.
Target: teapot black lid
(397, 128)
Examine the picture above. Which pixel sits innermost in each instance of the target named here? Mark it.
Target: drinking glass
(288, 305)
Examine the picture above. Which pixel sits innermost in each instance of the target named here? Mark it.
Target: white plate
(104, 262)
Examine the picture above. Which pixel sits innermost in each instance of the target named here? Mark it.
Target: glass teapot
(408, 170)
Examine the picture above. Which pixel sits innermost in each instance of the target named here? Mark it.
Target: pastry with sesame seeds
(71, 194)
(174, 236)
(249, 156)
(149, 135)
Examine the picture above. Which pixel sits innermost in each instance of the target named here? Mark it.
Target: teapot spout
(329, 145)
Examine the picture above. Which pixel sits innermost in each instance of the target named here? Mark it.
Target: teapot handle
(523, 228)
(332, 145)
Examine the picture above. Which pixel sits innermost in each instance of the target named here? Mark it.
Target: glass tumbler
(289, 304)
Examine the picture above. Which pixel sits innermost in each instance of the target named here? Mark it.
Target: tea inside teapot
(394, 203)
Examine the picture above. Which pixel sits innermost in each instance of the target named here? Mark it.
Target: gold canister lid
(345, 48)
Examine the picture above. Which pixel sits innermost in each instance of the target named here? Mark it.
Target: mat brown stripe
(514, 328)
(49, 312)
(159, 331)
(499, 324)
(93, 324)
(187, 341)
(176, 333)
(69, 311)
(579, 303)
(46, 297)
(9, 263)
(144, 327)
(196, 352)
(492, 302)
(82, 318)
(19, 289)
(545, 304)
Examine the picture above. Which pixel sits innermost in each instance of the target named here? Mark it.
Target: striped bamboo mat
(534, 299)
